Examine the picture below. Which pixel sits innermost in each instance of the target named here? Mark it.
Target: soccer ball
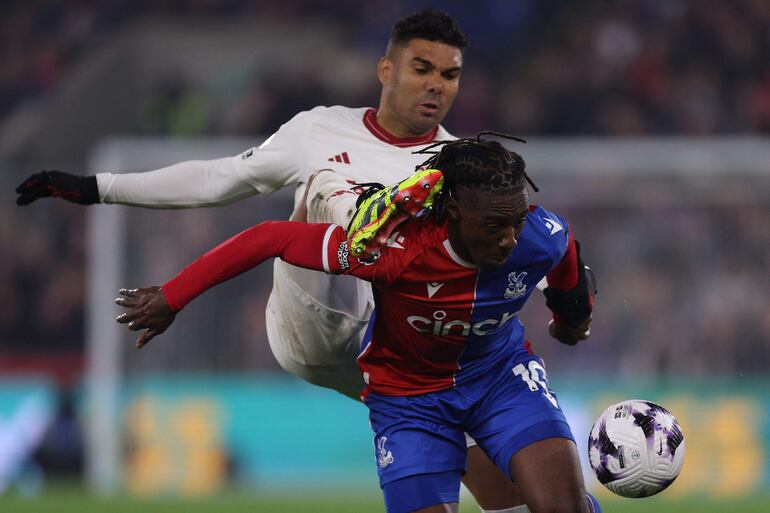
(636, 448)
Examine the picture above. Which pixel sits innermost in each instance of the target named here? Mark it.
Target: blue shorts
(422, 491)
(505, 410)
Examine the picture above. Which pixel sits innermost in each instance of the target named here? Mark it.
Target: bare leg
(490, 487)
(549, 476)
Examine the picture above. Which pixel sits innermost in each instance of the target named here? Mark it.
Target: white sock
(516, 509)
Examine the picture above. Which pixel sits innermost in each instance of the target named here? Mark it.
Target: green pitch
(74, 500)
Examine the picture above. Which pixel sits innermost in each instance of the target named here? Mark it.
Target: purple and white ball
(636, 448)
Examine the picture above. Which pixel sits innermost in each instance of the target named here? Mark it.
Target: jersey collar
(457, 258)
(371, 124)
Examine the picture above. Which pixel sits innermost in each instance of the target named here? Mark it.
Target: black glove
(574, 306)
(77, 189)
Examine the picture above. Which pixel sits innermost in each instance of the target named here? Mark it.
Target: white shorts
(315, 322)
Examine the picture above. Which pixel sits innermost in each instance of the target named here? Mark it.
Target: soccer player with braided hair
(444, 353)
(315, 322)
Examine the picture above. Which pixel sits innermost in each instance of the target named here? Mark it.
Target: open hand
(148, 310)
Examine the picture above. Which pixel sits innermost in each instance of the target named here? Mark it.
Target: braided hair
(471, 163)
(479, 164)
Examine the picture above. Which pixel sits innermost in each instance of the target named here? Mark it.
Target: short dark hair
(428, 24)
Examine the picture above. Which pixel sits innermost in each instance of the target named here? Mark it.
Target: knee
(489, 497)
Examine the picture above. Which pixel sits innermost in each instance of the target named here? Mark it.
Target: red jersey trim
(564, 275)
(371, 124)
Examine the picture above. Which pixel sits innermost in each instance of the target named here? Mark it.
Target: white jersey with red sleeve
(347, 140)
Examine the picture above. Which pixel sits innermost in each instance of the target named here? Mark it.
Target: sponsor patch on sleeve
(343, 255)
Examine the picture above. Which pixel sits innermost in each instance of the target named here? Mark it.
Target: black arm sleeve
(574, 306)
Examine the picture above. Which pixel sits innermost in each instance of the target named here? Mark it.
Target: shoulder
(410, 242)
(334, 112)
(320, 116)
(410, 238)
(325, 118)
(444, 135)
(545, 220)
(309, 116)
(547, 230)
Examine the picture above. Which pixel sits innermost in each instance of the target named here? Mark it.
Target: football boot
(380, 209)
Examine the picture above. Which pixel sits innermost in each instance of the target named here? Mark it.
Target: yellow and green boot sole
(381, 210)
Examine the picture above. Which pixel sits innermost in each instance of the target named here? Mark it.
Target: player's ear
(384, 68)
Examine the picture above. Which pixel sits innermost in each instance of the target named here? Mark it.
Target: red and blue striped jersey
(439, 321)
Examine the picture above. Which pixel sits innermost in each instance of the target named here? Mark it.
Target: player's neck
(453, 234)
(392, 124)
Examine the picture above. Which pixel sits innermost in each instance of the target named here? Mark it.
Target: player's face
(419, 85)
(484, 226)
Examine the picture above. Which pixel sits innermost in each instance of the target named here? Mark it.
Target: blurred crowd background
(683, 278)
(535, 67)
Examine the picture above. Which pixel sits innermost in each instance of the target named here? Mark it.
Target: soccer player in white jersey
(315, 322)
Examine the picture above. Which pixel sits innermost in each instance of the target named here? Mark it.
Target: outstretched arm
(312, 246)
(301, 244)
(195, 183)
(570, 296)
